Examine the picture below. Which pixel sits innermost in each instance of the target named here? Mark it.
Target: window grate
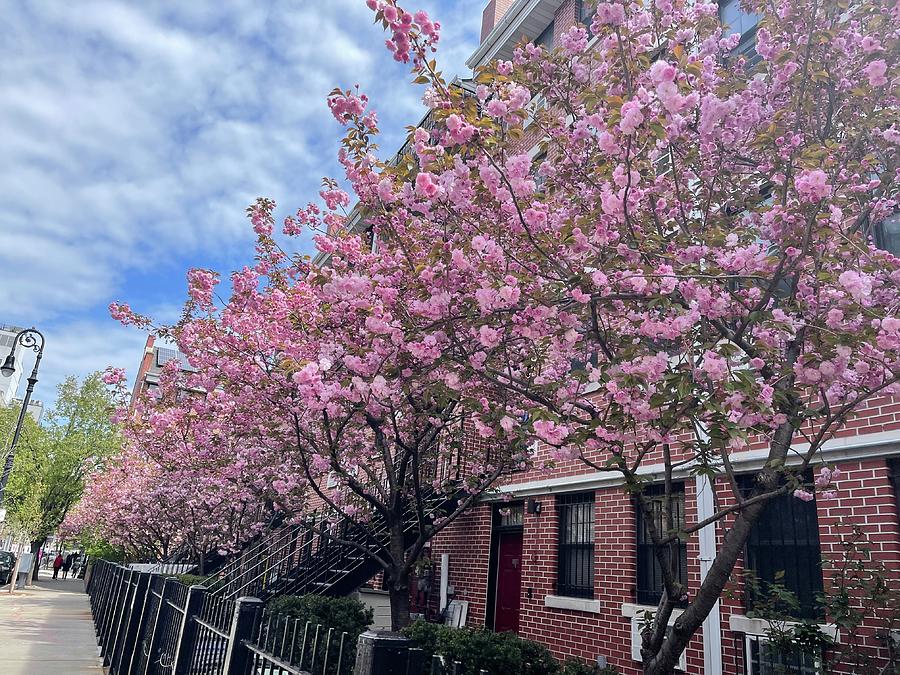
(650, 583)
(576, 545)
(894, 468)
(763, 659)
(783, 548)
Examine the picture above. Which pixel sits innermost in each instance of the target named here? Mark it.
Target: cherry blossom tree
(684, 269)
(187, 477)
(318, 362)
(696, 233)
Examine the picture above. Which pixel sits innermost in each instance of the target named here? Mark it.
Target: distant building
(152, 363)
(9, 385)
(35, 408)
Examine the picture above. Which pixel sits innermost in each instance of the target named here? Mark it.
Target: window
(736, 20)
(762, 659)
(783, 548)
(650, 584)
(887, 234)
(536, 169)
(511, 516)
(586, 11)
(894, 472)
(576, 545)
(545, 39)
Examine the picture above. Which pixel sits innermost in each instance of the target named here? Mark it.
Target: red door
(509, 582)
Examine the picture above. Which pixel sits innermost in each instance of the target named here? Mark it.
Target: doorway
(505, 580)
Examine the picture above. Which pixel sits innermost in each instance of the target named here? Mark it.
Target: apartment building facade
(563, 558)
(153, 359)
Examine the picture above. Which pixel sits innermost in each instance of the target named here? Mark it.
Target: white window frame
(750, 638)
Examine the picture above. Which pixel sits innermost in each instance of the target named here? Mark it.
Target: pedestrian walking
(67, 565)
(57, 564)
(76, 565)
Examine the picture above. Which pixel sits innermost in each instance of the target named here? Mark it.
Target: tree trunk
(398, 591)
(398, 582)
(35, 547)
(720, 571)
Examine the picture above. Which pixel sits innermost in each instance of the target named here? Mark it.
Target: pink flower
(870, 44)
(804, 495)
(496, 108)
(426, 185)
(488, 337)
(631, 117)
(859, 286)
(574, 40)
(662, 71)
(875, 71)
(551, 432)
(460, 130)
(201, 284)
(610, 13)
(335, 198)
(113, 375)
(715, 366)
(580, 296)
(812, 186)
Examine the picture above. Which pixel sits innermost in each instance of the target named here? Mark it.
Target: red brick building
(563, 559)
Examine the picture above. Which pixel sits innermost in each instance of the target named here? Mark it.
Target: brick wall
(866, 498)
(468, 541)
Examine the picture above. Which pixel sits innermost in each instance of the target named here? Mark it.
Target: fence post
(125, 651)
(381, 654)
(123, 620)
(243, 624)
(156, 634)
(112, 615)
(187, 634)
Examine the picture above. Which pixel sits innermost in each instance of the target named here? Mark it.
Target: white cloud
(135, 132)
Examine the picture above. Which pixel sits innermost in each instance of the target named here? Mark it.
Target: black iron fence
(148, 624)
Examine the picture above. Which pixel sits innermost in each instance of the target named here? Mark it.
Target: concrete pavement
(46, 629)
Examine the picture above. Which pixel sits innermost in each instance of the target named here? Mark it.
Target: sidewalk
(47, 630)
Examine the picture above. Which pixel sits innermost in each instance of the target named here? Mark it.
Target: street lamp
(28, 338)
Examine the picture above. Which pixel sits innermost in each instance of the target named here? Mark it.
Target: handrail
(319, 562)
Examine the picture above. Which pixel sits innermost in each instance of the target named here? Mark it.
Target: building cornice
(868, 446)
(508, 30)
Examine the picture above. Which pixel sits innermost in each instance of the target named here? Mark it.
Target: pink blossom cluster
(407, 30)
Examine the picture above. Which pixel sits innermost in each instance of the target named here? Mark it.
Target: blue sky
(133, 134)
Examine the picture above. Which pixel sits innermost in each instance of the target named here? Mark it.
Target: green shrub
(475, 649)
(573, 666)
(342, 614)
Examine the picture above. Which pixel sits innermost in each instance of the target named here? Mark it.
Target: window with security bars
(894, 467)
(650, 585)
(763, 659)
(576, 545)
(783, 548)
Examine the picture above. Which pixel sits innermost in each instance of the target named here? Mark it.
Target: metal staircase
(316, 556)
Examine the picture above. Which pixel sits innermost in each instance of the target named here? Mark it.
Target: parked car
(7, 565)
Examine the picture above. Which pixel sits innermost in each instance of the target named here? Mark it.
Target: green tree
(52, 459)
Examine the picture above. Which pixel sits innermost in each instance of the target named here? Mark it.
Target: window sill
(744, 624)
(630, 610)
(576, 604)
